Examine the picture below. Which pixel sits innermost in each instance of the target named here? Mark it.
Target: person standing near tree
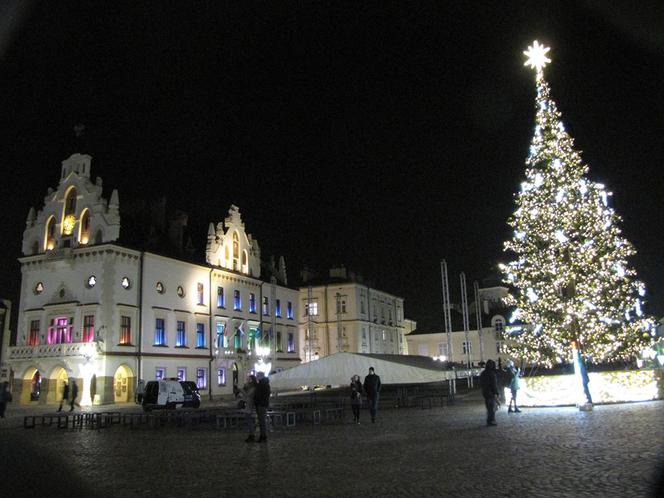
(513, 385)
(489, 385)
(372, 390)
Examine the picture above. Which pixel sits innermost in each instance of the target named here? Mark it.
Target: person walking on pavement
(372, 390)
(248, 394)
(355, 397)
(262, 401)
(513, 385)
(65, 396)
(5, 397)
(74, 394)
(489, 385)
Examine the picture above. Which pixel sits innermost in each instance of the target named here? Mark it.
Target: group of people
(66, 399)
(491, 379)
(255, 400)
(371, 389)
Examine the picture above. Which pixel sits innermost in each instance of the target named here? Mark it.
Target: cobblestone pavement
(613, 451)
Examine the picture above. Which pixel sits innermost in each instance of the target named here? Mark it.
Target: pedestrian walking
(489, 385)
(74, 394)
(248, 393)
(355, 397)
(262, 402)
(372, 390)
(65, 396)
(513, 385)
(5, 397)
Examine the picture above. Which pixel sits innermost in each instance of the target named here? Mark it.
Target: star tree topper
(537, 58)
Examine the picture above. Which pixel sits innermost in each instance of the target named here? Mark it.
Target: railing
(51, 350)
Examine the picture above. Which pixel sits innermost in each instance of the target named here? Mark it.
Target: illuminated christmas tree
(573, 287)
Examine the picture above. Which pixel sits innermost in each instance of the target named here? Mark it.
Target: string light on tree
(572, 281)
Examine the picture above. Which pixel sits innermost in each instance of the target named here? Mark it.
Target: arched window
(70, 202)
(49, 235)
(84, 237)
(244, 262)
(236, 250)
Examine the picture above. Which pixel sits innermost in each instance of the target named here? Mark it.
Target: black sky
(383, 135)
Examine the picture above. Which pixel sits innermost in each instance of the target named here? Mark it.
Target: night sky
(384, 135)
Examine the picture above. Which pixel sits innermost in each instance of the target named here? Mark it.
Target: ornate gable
(230, 247)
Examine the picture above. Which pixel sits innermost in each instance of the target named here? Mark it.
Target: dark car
(191, 395)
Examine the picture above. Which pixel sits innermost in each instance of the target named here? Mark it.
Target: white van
(169, 393)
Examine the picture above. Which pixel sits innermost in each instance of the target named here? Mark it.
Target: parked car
(169, 393)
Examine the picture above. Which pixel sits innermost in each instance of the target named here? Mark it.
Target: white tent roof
(337, 369)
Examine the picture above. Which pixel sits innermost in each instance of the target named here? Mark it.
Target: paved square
(615, 450)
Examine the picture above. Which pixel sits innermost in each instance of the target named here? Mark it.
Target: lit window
(88, 328)
(252, 303)
(237, 339)
(498, 325)
(92, 281)
(160, 288)
(201, 378)
(200, 335)
(221, 302)
(291, 342)
(180, 291)
(33, 338)
(277, 308)
(221, 335)
(125, 330)
(182, 374)
(126, 283)
(39, 288)
(49, 239)
(289, 310)
(159, 373)
(85, 227)
(199, 293)
(159, 332)
(61, 330)
(237, 302)
(180, 335)
(311, 308)
(221, 376)
(266, 306)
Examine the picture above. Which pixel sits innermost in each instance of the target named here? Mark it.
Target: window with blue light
(221, 338)
(277, 308)
(180, 335)
(200, 335)
(289, 310)
(221, 301)
(291, 342)
(159, 332)
(237, 302)
(266, 306)
(159, 373)
(182, 374)
(252, 303)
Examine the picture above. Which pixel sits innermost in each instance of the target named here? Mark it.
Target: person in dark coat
(355, 397)
(5, 397)
(372, 390)
(74, 394)
(262, 402)
(65, 396)
(489, 385)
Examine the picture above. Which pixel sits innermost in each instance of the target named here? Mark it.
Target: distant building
(478, 345)
(104, 312)
(340, 313)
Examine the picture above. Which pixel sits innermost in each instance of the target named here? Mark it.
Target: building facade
(105, 315)
(475, 346)
(347, 316)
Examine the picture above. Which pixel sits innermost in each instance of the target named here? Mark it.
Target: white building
(106, 315)
(343, 315)
(477, 345)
